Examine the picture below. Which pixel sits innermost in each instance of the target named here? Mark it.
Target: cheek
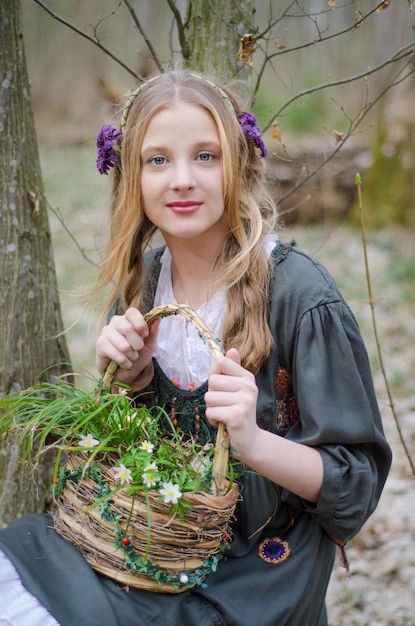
(146, 189)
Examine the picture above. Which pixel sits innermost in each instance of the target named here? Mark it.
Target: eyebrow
(200, 145)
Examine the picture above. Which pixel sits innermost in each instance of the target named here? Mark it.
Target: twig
(397, 56)
(285, 13)
(86, 35)
(184, 44)
(58, 215)
(309, 44)
(374, 325)
(150, 47)
(353, 125)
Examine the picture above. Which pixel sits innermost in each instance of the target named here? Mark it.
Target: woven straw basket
(177, 553)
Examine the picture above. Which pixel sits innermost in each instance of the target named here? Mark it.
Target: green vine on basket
(122, 541)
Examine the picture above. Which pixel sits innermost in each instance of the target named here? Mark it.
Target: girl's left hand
(232, 399)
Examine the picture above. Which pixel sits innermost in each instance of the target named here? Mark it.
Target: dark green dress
(316, 389)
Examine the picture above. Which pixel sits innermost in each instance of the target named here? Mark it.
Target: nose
(182, 176)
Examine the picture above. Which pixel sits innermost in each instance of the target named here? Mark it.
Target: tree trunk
(213, 33)
(32, 348)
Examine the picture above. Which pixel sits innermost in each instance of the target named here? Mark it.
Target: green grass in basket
(108, 428)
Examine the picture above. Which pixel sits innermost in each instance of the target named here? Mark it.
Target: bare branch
(184, 44)
(400, 54)
(375, 328)
(273, 23)
(352, 127)
(320, 39)
(90, 38)
(328, 37)
(152, 51)
(59, 216)
(105, 18)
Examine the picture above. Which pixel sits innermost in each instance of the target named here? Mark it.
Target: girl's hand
(232, 399)
(128, 341)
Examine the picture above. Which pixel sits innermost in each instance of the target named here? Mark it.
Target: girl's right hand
(128, 341)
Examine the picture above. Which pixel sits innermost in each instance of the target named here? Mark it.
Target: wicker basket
(135, 541)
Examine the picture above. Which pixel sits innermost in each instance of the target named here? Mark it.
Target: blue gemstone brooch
(274, 550)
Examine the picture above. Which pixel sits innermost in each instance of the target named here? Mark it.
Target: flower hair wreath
(109, 139)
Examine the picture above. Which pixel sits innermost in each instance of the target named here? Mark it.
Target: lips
(188, 206)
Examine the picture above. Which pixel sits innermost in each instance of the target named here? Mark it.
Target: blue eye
(157, 160)
(206, 156)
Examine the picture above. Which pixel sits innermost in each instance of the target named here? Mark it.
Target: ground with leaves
(381, 590)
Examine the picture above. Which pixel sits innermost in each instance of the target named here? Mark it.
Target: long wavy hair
(251, 214)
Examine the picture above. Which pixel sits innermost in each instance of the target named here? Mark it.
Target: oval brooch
(274, 550)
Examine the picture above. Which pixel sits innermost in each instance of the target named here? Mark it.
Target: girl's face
(182, 186)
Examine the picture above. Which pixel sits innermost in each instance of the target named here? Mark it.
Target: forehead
(181, 119)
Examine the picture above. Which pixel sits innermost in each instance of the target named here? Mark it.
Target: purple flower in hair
(106, 147)
(249, 126)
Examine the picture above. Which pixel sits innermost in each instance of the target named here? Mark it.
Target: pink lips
(189, 206)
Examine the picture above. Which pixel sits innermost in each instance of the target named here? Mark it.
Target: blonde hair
(251, 213)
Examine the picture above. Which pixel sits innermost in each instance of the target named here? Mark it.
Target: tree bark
(32, 347)
(213, 32)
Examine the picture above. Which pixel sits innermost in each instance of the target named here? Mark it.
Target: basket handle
(221, 452)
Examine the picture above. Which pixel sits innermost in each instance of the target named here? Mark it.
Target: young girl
(294, 387)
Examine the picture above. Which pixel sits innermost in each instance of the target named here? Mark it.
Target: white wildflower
(150, 479)
(147, 446)
(122, 473)
(88, 441)
(171, 493)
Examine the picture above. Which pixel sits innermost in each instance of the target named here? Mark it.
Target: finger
(137, 321)
(229, 366)
(115, 349)
(134, 328)
(233, 355)
(219, 382)
(128, 332)
(151, 340)
(120, 333)
(220, 398)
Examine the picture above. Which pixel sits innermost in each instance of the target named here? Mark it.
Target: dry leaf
(359, 19)
(247, 48)
(332, 4)
(35, 202)
(276, 133)
(383, 6)
(278, 44)
(337, 135)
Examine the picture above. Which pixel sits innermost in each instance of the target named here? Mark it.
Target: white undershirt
(181, 352)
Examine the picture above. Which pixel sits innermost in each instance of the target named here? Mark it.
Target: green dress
(315, 388)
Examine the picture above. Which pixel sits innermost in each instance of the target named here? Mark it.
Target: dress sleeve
(339, 415)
